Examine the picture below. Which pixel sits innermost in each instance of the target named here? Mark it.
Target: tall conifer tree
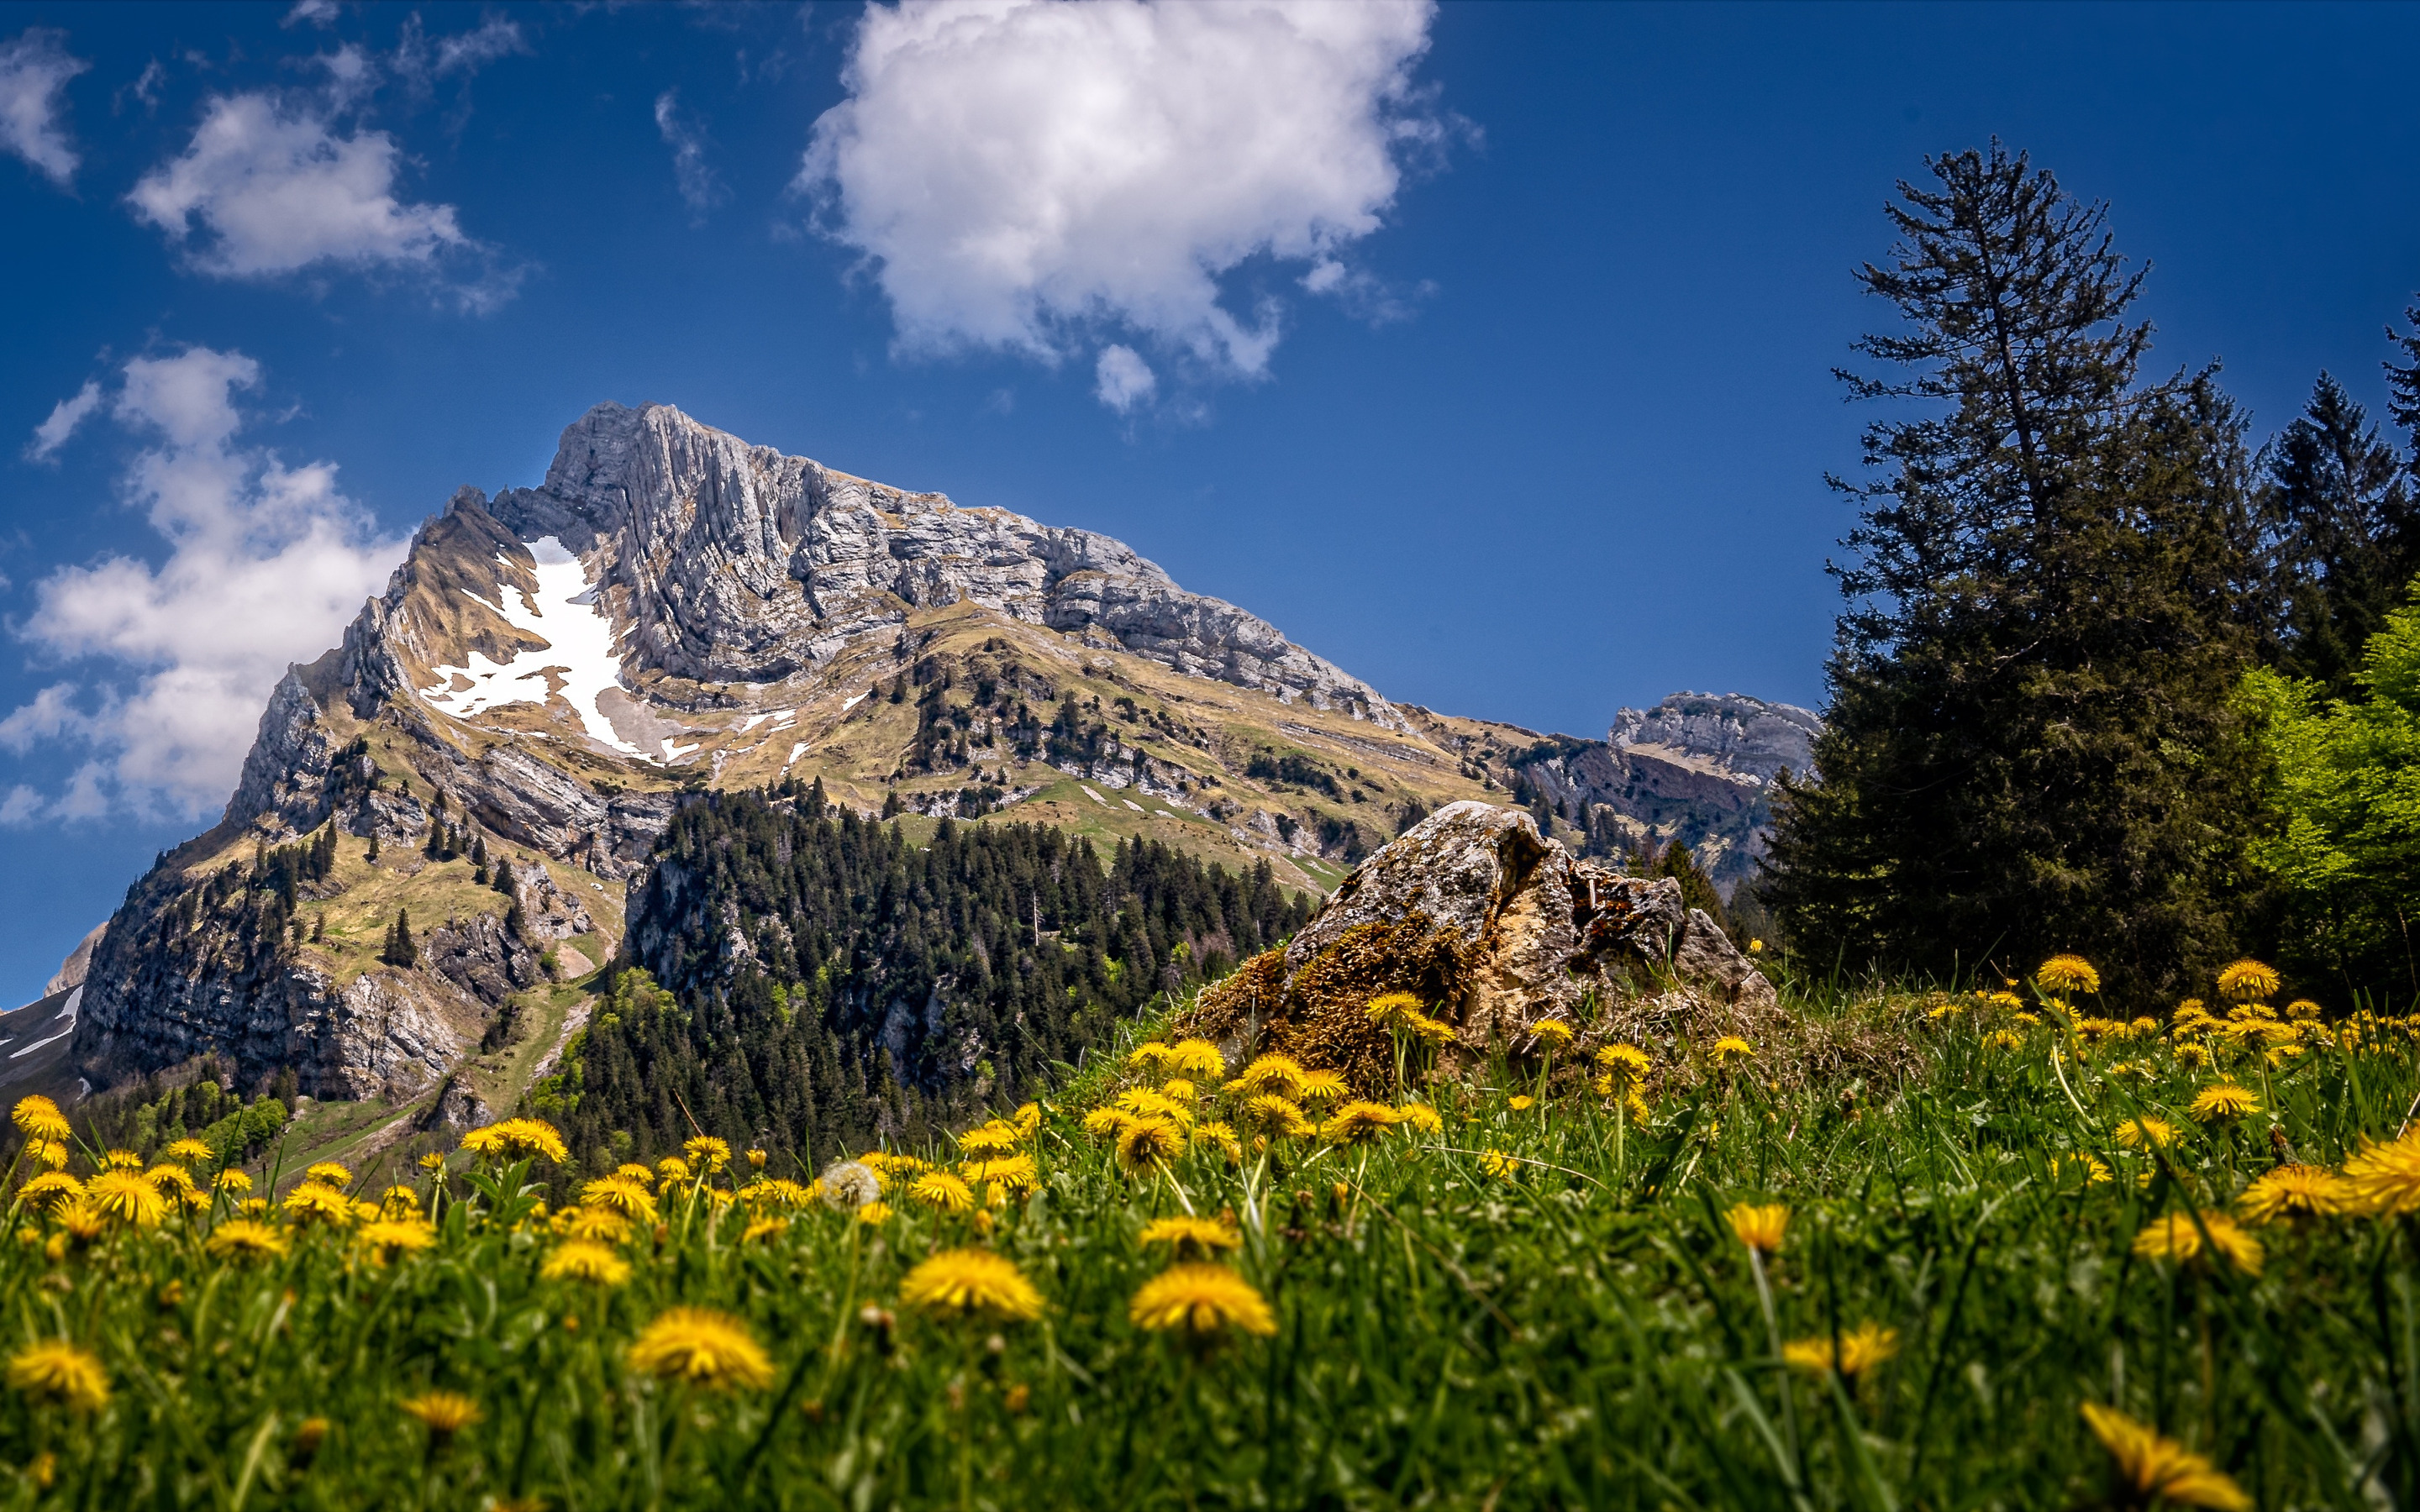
(2347, 538)
(2030, 745)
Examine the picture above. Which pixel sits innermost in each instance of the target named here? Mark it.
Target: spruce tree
(2030, 745)
(2347, 540)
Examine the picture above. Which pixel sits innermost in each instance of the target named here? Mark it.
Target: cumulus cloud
(1027, 173)
(66, 416)
(265, 563)
(274, 188)
(701, 188)
(1122, 379)
(35, 69)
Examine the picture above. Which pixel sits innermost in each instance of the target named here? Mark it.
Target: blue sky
(1485, 350)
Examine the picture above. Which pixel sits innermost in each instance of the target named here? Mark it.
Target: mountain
(439, 819)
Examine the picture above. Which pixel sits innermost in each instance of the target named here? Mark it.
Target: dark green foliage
(809, 984)
(157, 1111)
(1674, 862)
(2347, 539)
(1295, 767)
(2031, 745)
(400, 949)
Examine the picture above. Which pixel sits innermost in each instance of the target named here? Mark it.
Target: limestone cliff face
(735, 563)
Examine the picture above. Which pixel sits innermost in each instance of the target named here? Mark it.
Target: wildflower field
(2021, 1249)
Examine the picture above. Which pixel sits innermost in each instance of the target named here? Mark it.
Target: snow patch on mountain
(580, 648)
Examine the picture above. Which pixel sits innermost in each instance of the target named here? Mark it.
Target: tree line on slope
(2089, 635)
(801, 980)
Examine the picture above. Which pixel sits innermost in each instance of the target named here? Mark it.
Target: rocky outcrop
(1748, 739)
(1495, 929)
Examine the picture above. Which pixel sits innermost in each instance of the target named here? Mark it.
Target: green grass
(1577, 1328)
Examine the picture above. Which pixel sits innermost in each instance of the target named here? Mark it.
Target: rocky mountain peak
(1746, 738)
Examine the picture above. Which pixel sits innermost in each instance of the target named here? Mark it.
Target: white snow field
(580, 646)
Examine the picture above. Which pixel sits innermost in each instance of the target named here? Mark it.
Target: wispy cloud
(35, 69)
(65, 417)
(701, 187)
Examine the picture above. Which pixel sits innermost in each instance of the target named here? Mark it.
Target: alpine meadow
(724, 983)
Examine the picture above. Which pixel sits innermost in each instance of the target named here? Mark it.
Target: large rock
(1495, 929)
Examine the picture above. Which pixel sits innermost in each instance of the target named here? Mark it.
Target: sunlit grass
(1665, 1275)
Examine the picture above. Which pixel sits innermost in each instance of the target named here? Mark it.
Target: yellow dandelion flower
(2223, 1101)
(586, 1260)
(1270, 1113)
(444, 1414)
(1759, 1226)
(1200, 1300)
(2095, 1170)
(1862, 1348)
(1554, 1032)
(1145, 1104)
(2068, 974)
(623, 1194)
(673, 1169)
(1432, 1031)
(121, 1160)
(2294, 1191)
(762, 1230)
(1520, 1102)
(1108, 1123)
(1178, 1090)
(1625, 1064)
(1016, 1172)
(329, 1172)
(1395, 1010)
(599, 1224)
(50, 1191)
(1196, 1061)
(2303, 1010)
(1191, 1237)
(873, 1214)
(1280, 1074)
(317, 1202)
(50, 1152)
(942, 1192)
(40, 1119)
(2146, 1133)
(124, 1197)
(247, 1238)
(1028, 1117)
(1145, 1144)
(432, 1162)
(1148, 1057)
(707, 1151)
(2192, 1056)
(1731, 1048)
(1358, 1122)
(2385, 1179)
(2156, 1467)
(388, 1240)
(2175, 1236)
(2004, 1040)
(2247, 981)
(2003, 1000)
(56, 1370)
(1497, 1164)
(1321, 1085)
(703, 1348)
(398, 1202)
(175, 1183)
(1219, 1134)
(188, 1152)
(1420, 1118)
(968, 1281)
(997, 1137)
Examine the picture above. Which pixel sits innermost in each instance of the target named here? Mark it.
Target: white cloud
(1021, 173)
(279, 190)
(1122, 379)
(264, 565)
(701, 188)
(22, 805)
(35, 69)
(468, 52)
(66, 416)
(318, 13)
